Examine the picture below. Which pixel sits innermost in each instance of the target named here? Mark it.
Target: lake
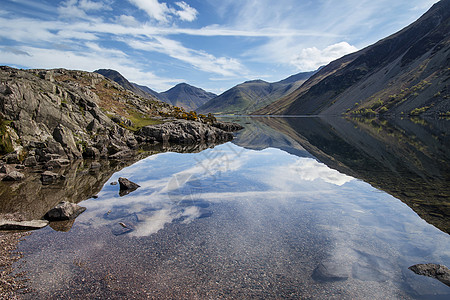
(291, 208)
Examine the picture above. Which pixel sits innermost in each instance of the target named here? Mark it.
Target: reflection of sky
(257, 202)
(183, 187)
(225, 173)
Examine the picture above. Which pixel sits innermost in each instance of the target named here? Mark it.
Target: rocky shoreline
(56, 116)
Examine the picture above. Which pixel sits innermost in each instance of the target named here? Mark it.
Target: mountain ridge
(251, 95)
(405, 71)
(182, 95)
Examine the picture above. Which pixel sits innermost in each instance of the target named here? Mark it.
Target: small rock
(20, 167)
(113, 183)
(22, 225)
(48, 177)
(6, 169)
(64, 211)
(95, 165)
(13, 176)
(12, 158)
(123, 225)
(91, 152)
(126, 186)
(57, 163)
(439, 272)
(95, 197)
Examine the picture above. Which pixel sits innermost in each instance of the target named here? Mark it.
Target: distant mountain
(183, 95)
(151, 92)
(252, 95)
(405, 73)
(187, 96)
(122, 81)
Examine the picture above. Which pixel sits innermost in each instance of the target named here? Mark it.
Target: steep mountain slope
(151, 92)
(187, 96)
(407, 72)
(122, 81)
(252, 95)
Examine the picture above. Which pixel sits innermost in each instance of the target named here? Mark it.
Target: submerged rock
(439, 272)
(22, 225)
(330, 271)
(63, 226)
(64, 211)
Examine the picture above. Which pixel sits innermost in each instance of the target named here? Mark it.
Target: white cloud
(87, 5)
(127, 21)
(155, 10)
(162, 13)
(186, 13)
(312, 58)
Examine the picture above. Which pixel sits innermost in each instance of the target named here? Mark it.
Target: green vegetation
(140, 121)
(380, 106)
(180, 113)
(418, 111)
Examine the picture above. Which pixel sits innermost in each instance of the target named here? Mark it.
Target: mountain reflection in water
(248, 220)
(408, 158)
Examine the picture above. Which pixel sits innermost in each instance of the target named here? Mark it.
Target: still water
(260, 217)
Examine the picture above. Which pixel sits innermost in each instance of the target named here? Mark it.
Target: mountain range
(182, 95)
(252, 95)
(405, 73)
(241, 99)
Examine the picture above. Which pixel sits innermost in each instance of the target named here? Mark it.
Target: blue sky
(212, 44)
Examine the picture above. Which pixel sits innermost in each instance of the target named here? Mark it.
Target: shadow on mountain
(409, 158)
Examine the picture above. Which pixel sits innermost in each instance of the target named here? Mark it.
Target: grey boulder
(64, 211)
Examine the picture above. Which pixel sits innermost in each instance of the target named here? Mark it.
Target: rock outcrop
(185, 132)
(22, 225)
(56, 115)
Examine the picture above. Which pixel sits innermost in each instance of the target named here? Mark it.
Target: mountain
(405, 73)
(122, 81)
(187, 96)
(252, 95)
(183, 95)
(151, 92)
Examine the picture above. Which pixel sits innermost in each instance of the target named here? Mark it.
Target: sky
(211, 44)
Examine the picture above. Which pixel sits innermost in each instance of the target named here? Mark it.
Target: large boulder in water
(439, 272)
(64, 211)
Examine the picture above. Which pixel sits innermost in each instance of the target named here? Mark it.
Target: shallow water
(236, 222)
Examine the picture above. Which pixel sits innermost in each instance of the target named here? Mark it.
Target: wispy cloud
(199, 59)
(232, 41)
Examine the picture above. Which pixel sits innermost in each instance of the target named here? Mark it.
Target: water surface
(256, 218)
